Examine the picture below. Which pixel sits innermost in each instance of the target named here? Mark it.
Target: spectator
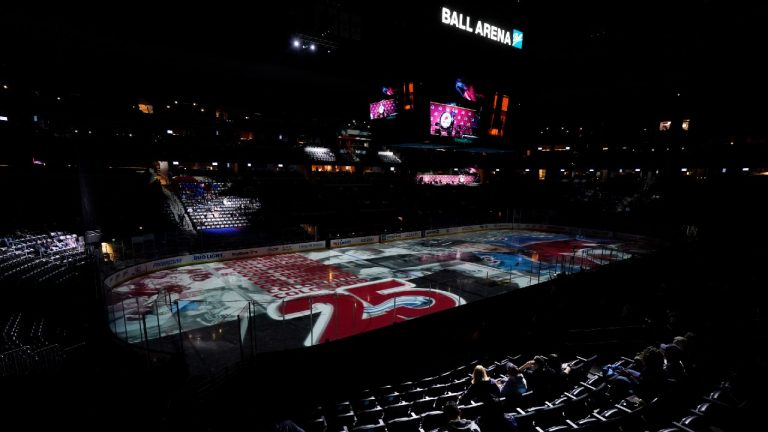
(539, 376)
(493, 418)
(673, 362)
(515, 384)
(482, 387)
(687, 344)
(455, 422)
(644, 378)
(559, 376)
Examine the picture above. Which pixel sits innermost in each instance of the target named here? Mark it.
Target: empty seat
(458, 385)
(371, 416)
(723, 396)
(437, 390)
(405, 387)
(472, 412)
(550, 416)
(342, 420)
(428, 382)
(389, 399)
(315, 425)
(365, 404)
(397, 410)
(384, 390)
(432, 420)
(413, 395)
(695, 422)
(381, 427)
(715, 413)
(340, 408)
(423, 405)
(405, 424)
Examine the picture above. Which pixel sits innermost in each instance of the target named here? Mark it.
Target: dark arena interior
(338, 216)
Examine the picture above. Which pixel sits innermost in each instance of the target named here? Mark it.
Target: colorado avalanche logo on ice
(413, 302)
(363, 307)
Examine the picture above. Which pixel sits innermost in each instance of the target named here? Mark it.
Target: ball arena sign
(512, 38)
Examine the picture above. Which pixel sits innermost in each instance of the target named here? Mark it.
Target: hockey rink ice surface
(311, 297)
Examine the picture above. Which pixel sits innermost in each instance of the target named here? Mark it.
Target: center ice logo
(363, 307)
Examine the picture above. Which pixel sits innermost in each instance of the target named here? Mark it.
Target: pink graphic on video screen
(383, 109)
(451, 120)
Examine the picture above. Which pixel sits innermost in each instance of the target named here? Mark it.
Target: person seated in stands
(539, 377)
(515, 384)
(482, 387)
(494, 419)
(688, 347)
(622, 380)
(620, 386)
(652, 378)
(455, 422)
(673, 362)
(644, 378)
(559, 376)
